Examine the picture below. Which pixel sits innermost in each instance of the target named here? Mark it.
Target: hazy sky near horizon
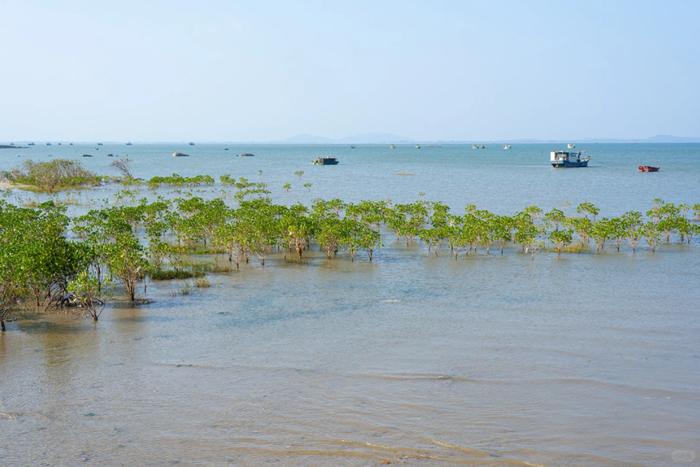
(267, 70)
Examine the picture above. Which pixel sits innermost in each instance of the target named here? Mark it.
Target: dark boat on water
(648, 168)
(326, 161)
(566, 159)
(246, 154)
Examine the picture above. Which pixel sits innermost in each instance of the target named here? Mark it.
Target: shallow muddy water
(578, 359)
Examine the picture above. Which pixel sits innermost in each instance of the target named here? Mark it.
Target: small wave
(383, 454)
(420, 377)
(8, 416)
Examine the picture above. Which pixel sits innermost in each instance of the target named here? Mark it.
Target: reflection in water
(412, 359)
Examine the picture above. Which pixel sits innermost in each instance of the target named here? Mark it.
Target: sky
(425, 70)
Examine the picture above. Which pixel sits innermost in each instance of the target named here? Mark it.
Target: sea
(416, 359)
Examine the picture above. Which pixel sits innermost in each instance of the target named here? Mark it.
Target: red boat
(648, 168)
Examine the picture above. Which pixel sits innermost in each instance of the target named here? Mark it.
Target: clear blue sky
(265, 70)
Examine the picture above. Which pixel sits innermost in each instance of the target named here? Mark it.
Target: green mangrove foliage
(37, 260)
(180, 181)
(49, 260)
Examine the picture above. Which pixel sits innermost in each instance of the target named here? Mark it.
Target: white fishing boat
(566, 159)
(570, 146)
(507, 147)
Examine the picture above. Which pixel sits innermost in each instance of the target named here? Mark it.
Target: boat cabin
(568, 159)
(326, 161)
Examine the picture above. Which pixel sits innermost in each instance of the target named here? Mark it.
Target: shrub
(52, 176)
(202, 283)
(175, 274)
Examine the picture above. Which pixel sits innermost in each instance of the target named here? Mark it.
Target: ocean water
(574, 359)
(495, 179)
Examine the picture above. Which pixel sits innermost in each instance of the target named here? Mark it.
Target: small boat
(507, 147)
(565, 159)
(225, 149)
(392, 146)
(417, 146)
(48, 144)
(326, 161)
(352, 147)
(129, 143)
(570, 146)
(87, 155)
(100, 144)
(191, 143)
(30, 144)
(648, 168)
(58, 143)
(246, 154)
(180, 154)
(110, 155)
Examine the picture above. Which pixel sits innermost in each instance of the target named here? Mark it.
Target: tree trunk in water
(2, 325)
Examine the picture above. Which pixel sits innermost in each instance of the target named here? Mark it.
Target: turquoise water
(502, 181)
(576, 359)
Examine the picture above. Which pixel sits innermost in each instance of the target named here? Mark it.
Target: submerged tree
(561, 238)
(87, 294)
(297, 227)
(588, 209)
(114, 246)
(526, 231)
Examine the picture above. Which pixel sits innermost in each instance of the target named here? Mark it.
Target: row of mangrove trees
(50, 260)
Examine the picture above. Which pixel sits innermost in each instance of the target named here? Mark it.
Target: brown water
(579, 359)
